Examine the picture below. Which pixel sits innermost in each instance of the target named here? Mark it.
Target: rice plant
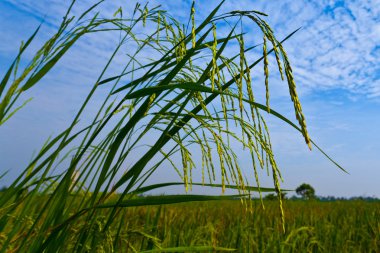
(311, 226)
(192, 96)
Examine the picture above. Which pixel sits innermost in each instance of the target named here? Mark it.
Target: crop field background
(311, 226)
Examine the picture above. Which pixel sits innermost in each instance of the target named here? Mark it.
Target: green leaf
(7, 75)
(90, 9)
(165, 200)
(190, 249)
(14, 111)
(50, 64)
(156, 186)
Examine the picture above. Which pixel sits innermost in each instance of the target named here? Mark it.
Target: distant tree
(272, 196)
(306, 191)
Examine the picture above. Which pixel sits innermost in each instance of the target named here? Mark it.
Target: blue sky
(335, 58)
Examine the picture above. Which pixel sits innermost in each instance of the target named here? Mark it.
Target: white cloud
(337, 47)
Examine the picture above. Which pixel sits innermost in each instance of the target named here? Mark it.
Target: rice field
(311, 226)
(346, 226)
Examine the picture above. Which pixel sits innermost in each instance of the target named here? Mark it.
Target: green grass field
(311, 226)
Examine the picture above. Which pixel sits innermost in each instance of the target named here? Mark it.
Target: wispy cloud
(338, 47)
(339, 42)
